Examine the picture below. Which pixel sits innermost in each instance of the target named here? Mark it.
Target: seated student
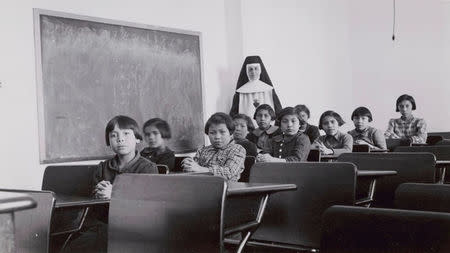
(291, 145)
(223, 157)
(243, 124)
(122, 135)
(261, 136)
(156, 134)
(334, 141)
(365, 134)
(407, 126)
(305, 127)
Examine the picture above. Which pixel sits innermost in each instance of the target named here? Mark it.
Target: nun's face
(253, 71)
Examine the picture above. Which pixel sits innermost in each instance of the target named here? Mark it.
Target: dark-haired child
(156, 134)
(407, 126)
(223, 157)
(122, 135)
(291, 145)
(334, 141)
(261, 136)
(365, 134)
(243, 124)
(305, 127)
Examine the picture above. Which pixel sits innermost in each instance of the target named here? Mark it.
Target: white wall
(217, 20)
(304, 46)
(416, 63)
(339, 55)
(327, 54)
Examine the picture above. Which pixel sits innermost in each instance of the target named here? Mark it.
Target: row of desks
(234, 190)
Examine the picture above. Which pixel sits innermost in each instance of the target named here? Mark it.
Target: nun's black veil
(243, 79)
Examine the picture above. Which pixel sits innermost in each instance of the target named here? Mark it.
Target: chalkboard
(90, 70)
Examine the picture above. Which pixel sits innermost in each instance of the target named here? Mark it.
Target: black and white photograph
(247, 126)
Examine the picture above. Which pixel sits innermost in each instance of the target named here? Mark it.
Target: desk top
(442, 162)
(375, 173)
(234, 189)
(240, 188)
(80, 201)
(379, 150)
(11, 202)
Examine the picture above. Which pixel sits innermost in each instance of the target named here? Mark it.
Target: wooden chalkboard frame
(37, 13)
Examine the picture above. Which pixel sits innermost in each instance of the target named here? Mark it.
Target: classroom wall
(304, 46)
(324, 53)
(416, 63)
(339, 55)
(218, 20)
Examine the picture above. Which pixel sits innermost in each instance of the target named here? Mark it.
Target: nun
(253, 88)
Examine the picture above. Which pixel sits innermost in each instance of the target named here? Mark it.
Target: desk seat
(373, 230)
(32, 226)
(410, 167)
(292, 219)
(423, 197)
(159, 213)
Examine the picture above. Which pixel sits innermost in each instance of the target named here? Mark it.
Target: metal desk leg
(371, 191)
(72, 231)
(262, 208)
(368, 200)
(442, 175)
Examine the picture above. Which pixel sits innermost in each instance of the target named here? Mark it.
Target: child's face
(253, 71)
(122, 141)
(303, 117)
(290, 124)
(219, 135)
(330, 125)
(153, 137)
(240, 129)
(405, 108)
(361, 122)
(263, 119)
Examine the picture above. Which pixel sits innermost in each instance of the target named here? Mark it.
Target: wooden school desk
(442, 165)
(167, 203)
(442, 154)
(11, 202)
(372, 175)
(239, 190)
(235, 190)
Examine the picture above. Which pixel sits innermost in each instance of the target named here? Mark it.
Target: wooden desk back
(32, 226)
(69, 179)
(393, 143)
(293, 217)
(423, 197)
(314, 155)
(248, 163)
(445, 135)
(410, 167)
(370, 230)
(177, 166)
(361, 148)
(166, 213)
(441, 152)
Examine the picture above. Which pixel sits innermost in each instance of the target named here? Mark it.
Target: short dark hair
(265, 107)
(331, 114)
(161, 125)
(220, 118)
(403, 98)
(287, 111)
(302, 108)
(123, 122)
(362, 111)
(250, 125)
